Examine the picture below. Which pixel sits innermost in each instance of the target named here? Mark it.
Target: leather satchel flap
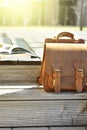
(64, 57)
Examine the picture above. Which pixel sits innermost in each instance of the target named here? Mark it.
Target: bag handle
(65, 34)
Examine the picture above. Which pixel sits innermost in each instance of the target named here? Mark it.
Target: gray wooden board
(68, 128)
(5, 128)
(18, 74)
(34, 107)
(33, 128)
(37, 93)
(51, 128)
(43, 113)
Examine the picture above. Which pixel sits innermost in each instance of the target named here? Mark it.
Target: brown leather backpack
(53, 77)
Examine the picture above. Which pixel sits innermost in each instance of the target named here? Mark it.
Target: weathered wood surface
(49, 128)
(68, 128)
(34, 107)
(36, 93)
(46, 128)
(19, 74)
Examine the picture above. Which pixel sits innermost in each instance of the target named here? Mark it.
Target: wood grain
(36, 108)
(32, 128)
(36, 93)
(43, 113)
(19, 74)
(68, 128)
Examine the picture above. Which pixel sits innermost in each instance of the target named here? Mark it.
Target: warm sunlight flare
(43, 13)
(16, 2)
(18, 11)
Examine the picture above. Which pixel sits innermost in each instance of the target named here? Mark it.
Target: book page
(21, 46)
(16, 46)
(19, 57)
(4, 48)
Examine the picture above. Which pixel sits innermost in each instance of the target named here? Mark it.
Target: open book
(18, 46)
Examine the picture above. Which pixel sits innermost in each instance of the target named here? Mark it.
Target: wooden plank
(32, 128)
(43, 113)
(51, 128)
(19, 74)
(68, 128)
(37, 93)
(34, 107)
(5, 128)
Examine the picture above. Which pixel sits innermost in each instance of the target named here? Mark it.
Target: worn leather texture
(61, 60)
(70, 61)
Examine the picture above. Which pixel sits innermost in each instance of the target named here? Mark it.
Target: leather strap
(79, 66)
(57, 80)
(79, 80)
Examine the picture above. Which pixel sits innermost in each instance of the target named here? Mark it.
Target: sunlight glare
(21, 12)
